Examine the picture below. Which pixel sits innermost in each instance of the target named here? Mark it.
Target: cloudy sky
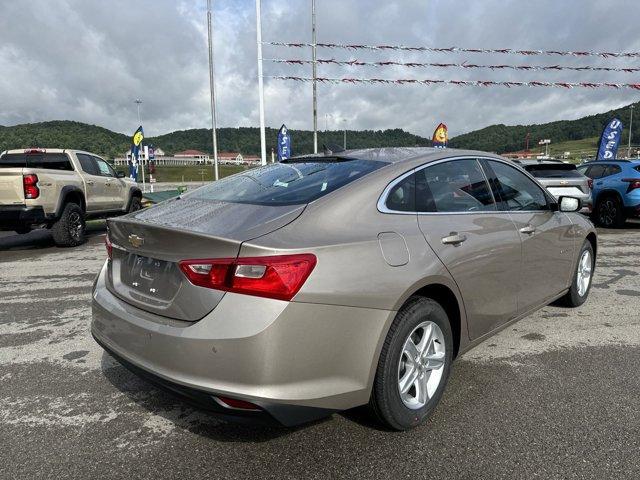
(87, 60)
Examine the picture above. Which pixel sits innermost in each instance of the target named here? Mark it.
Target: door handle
(598, 183)
(454, 239)
(529, 230)
(90, 182)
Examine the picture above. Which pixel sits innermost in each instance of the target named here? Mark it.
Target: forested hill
(503, 138)
(495, 138)
(76, 135)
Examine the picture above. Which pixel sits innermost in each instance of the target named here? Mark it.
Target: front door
(478, 244)
(96, 192)
(547, 243)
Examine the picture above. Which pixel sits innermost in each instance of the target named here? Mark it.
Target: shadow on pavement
(39, 239)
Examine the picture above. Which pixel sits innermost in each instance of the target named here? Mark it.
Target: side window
(87, 164)
(584, 170)
(104, 168)
(597, 171)
(612, 170)
(516, 191)
(401, 197)
(453, 186)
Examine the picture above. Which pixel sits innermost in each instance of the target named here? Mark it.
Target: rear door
(547, 243)
(478, 244)
(95, 184)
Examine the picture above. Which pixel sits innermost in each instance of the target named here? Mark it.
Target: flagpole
(144, 185)
(263, 144)
(212, 88)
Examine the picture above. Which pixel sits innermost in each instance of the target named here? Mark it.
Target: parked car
(59, 189)
(561, 179)
(321, 283)
(616, 190)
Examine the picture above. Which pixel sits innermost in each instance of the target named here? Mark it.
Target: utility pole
(630, 131)
(138, 102)
(315, 74)
(212, 88)
(263, 142)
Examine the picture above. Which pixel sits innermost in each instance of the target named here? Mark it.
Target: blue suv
(615, 190)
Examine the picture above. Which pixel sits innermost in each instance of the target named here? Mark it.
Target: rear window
(562, 170)
(286, 183)
(51, 161)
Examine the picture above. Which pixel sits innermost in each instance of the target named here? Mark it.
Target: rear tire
(423, 323)
(22, 230)
(582, 278)
(135, 205)
(609, 212)
(69, 230)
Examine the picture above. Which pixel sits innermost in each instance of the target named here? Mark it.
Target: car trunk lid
(148, 245)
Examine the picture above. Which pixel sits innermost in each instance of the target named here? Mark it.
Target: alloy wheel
(75, 226)
(584, 273)
(421, 365)
(607, 212)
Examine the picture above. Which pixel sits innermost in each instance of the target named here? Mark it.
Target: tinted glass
(612, 170)
(51, 161)
(454, 186)
(286, 183)
(515, 191)
(597, 171)
(402, 197)
(562, 170)
(87, 164)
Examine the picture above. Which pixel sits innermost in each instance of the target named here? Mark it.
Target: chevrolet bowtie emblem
(135, 240)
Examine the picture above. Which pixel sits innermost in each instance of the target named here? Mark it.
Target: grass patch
(196, 173)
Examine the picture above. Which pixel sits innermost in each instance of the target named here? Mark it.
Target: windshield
(287, 183)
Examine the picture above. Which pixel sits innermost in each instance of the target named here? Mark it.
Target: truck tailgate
(11, 188)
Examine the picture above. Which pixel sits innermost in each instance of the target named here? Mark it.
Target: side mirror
(120, 174)
(569, 204)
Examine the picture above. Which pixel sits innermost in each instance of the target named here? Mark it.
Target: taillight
(109, 246)
(590, 182)
(633, 183)
(279, 277)
(30, 186)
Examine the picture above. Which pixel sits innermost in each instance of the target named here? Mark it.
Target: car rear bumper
(13, 216)
(296, 361)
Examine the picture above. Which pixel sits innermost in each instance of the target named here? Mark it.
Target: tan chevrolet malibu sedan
(314, 285)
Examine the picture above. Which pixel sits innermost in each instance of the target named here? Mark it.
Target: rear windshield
(561, 170)
(51, 161)
(286, 183)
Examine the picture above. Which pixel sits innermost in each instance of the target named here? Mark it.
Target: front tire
(582, 277)
(69, 230)
(414, 365)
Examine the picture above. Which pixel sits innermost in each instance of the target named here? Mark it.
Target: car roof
(624, 161)
(398, 155)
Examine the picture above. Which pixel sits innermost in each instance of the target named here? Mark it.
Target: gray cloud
(87, 60)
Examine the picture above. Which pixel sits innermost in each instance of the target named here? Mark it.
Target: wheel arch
(70, 194)
(593, 240)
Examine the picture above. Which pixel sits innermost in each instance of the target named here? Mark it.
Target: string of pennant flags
(461, 83)
(359, 63)
(506, 51)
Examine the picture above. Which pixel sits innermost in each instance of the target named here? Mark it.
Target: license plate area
(150, 277)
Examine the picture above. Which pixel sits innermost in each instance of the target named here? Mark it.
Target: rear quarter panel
(51, 183)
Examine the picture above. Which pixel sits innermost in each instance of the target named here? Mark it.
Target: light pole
(314, 71)
(212, 88)
(344, 142)
(630, 130)
(138, 102)
(263, 141)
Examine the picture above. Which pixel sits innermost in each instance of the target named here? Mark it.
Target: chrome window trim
(382, 200)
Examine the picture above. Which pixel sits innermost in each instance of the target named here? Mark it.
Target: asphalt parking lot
(556, 395)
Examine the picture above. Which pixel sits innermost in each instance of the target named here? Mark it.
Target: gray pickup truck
(61, 189)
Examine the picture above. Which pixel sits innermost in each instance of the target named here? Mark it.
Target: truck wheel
(135, 205)
(68, 231)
